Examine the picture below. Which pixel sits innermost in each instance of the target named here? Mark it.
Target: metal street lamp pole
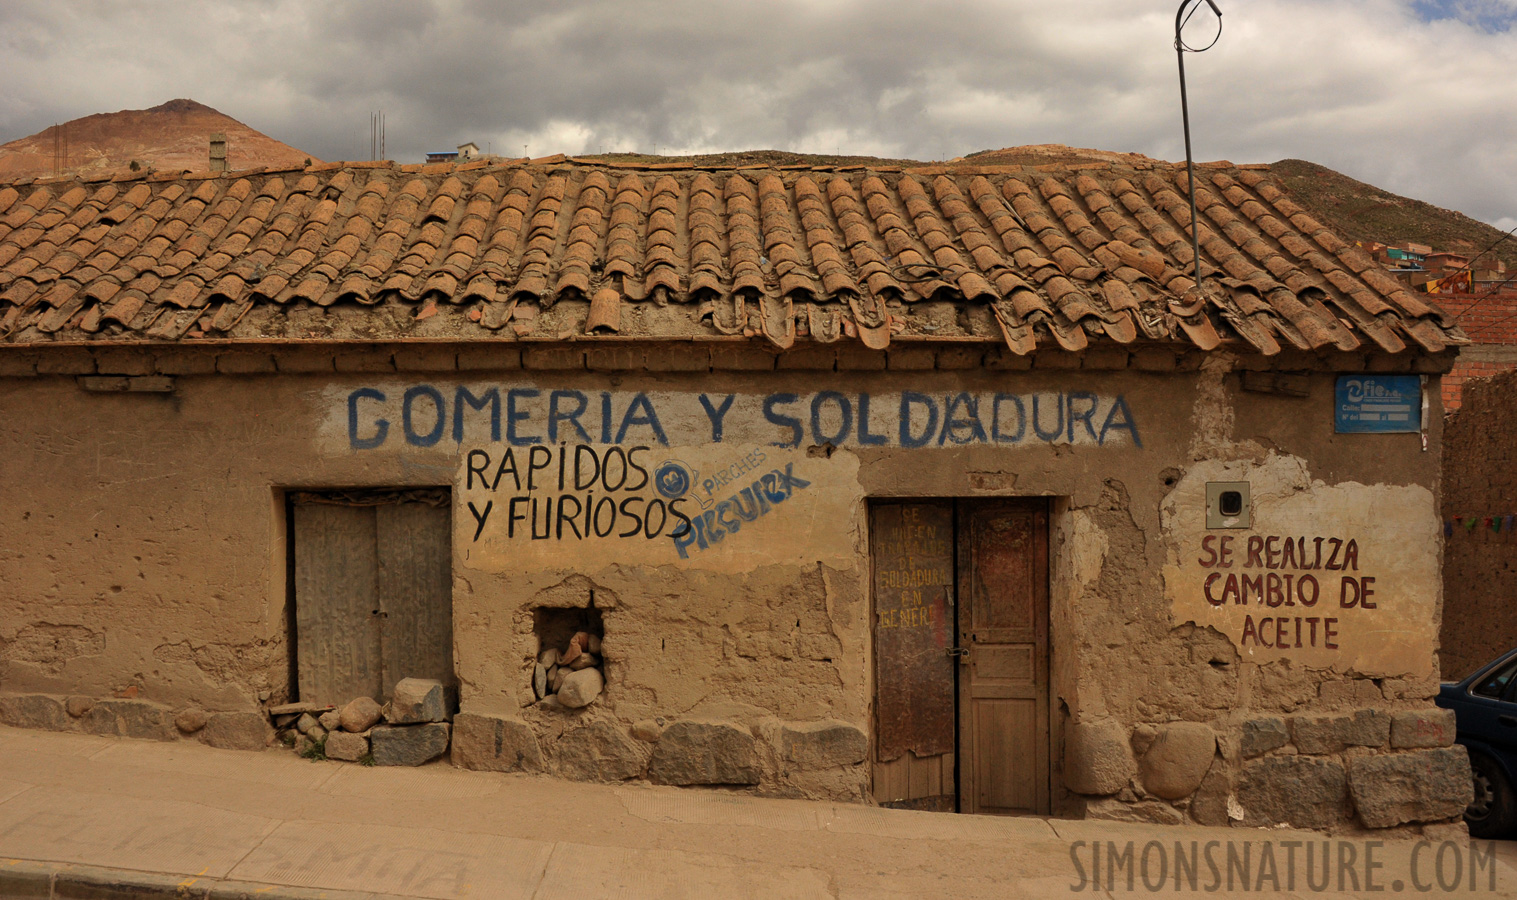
(1190, 169)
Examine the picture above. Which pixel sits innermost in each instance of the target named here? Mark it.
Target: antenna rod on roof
(1190, 169)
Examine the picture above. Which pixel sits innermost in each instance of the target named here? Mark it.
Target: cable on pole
(1181, 48)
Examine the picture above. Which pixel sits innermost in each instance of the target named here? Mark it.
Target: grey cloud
(1380, 89)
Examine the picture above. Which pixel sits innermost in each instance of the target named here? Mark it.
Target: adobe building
(942, 488)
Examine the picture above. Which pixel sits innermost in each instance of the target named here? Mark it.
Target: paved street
(194, 821)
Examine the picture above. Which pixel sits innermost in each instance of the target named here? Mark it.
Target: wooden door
(336, 628)
(911, 545)
(415, 592)
(373, 592)
(1003, 681)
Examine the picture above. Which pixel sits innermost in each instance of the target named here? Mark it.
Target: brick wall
(1490, 321)
(1479, 563)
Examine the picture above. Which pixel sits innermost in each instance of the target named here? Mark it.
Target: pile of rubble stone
(409, 730)
(572, 676)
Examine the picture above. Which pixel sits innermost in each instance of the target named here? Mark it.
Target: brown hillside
(1363, 212)
(172, 137)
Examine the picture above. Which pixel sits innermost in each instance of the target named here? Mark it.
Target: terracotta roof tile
(1033, 256)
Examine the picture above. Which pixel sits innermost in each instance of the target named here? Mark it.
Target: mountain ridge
(172, 136)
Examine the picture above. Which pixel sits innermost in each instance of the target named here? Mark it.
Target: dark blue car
(1485, 708)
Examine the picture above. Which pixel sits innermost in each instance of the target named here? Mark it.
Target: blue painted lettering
(953, 424)
(910, 399)
(866, 438)
(845, 418)
(647, 417)
(381, 426)
(514, 415)
(773, 415)
(407, 415)
(996, 434)
(1125, 423)
(572, 416)
(463, 396)
(716, 414)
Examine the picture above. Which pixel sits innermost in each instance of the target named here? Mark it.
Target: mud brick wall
(1480, 564)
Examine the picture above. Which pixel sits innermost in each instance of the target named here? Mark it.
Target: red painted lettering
(1255, 545)
(1272, 590)
(1334, 545)
(1348, 585)
(1206, 589)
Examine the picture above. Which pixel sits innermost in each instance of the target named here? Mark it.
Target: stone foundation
(787, 759)
(1370, 768)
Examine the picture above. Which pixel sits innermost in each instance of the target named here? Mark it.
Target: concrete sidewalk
(85, 816)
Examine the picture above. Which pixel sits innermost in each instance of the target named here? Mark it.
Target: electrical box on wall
(1228, 505)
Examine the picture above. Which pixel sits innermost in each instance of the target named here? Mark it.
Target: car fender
(1503, 760)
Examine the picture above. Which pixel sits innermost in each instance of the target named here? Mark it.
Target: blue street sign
(1378, 404)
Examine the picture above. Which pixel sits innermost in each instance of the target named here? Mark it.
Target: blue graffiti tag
(747, 505)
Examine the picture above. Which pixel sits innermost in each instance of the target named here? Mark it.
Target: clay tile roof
(567, 249)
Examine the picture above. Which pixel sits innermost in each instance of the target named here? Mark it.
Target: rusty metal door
(1003, 679)
(373, 592)
(911, 545)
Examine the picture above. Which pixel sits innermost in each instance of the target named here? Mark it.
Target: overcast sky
(1416, 96)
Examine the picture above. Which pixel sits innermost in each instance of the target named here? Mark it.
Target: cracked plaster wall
(147, 550)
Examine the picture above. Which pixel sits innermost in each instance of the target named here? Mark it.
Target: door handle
(1508, 721)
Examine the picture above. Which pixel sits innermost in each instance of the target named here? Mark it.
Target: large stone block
(131, 718)
(345, 746)
(408, 745)
(1331, 734)
(495, 744)
(1152, 812)
(1293, 790)
(580, 688)
(360, 715)
(1420, 728)
(1422, 786)
(191, 720)
(237, 731)
(34, 711)
(1263, 735)
(416, 700)
(1178, 759)
(1098, 758)
(600, 752)
(1208, 805)
(823, 745)
(704, 753)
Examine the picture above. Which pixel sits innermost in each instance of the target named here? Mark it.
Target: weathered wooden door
(1003, 681)
(373, 592)
(911, 545)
